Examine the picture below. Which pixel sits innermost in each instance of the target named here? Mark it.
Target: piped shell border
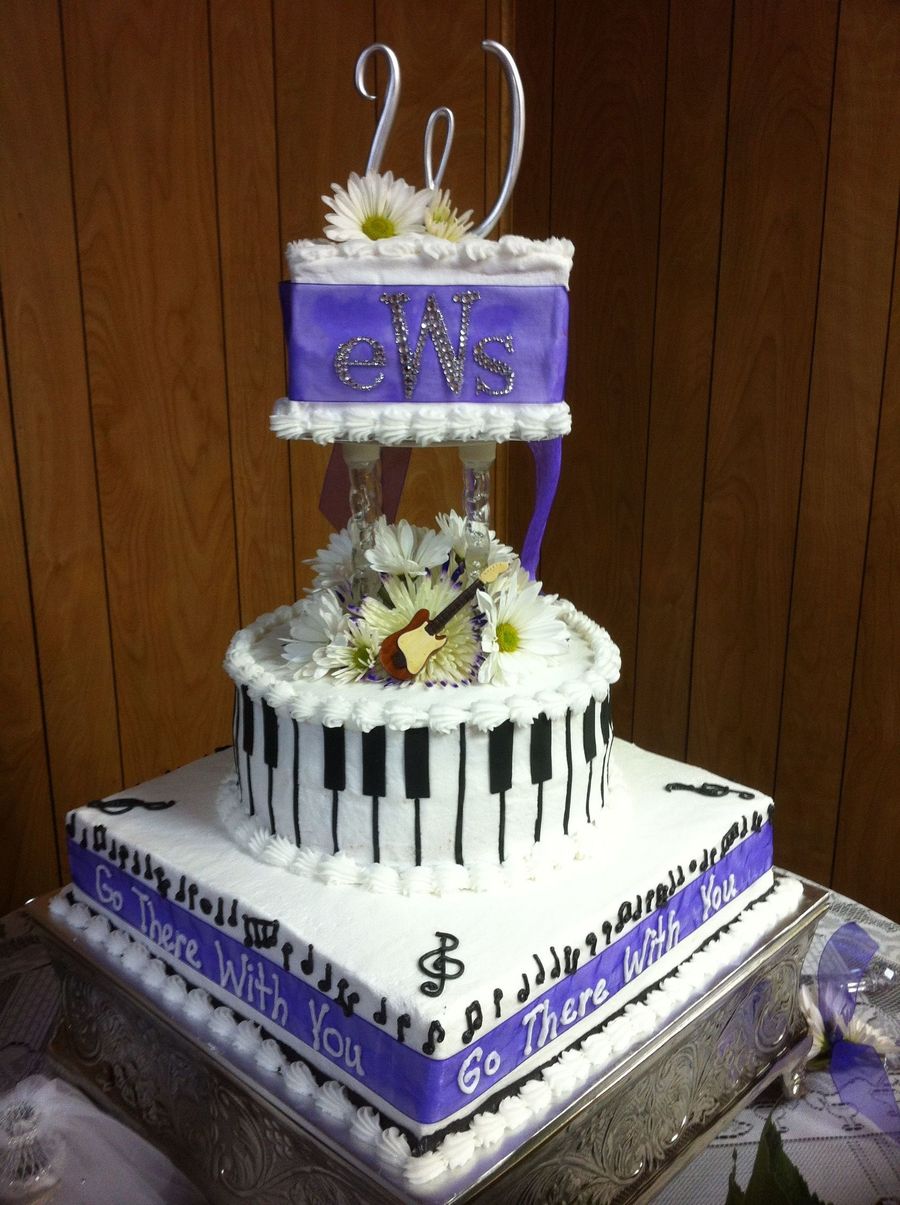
(362, 707)
(423, 425)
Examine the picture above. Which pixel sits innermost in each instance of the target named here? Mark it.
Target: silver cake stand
(617, 1140)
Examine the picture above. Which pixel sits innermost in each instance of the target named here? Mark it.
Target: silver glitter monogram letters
(343, 363)
(491, 364)
(434, 327)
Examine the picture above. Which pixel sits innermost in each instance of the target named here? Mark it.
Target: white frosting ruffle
(483, 706)
(426, 424)
(525, 1107)
(425, 259)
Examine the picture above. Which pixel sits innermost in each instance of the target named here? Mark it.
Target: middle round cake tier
(418, 787)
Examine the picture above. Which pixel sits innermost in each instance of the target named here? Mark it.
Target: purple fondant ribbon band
(345, 345)
(428, 1089)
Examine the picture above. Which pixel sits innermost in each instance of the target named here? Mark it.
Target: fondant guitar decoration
(404, 653)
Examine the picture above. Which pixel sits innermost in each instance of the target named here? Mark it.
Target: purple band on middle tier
(426, 343)
(426, 1088)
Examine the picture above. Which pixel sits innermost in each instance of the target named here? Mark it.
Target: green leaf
(775, 1180)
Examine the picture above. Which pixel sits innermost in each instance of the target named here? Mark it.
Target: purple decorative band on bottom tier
(425, 1088)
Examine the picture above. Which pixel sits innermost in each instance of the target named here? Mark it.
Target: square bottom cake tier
(429, 1025)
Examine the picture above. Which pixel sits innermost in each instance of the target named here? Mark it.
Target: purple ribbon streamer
(857, 1070)
(547, 455)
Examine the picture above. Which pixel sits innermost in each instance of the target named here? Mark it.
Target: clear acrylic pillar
(363, 462)
(477, 460)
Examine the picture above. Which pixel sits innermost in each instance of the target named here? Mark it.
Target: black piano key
(374, 755)
(296, 782)
(568, 805)
(589, 731)
(605, 720)
(235, 731)
(416, 745)
(335, 761)
(500, 749)
(270, 734)
(247, 737)
(247, 743)
(460, 796)
(541, 754)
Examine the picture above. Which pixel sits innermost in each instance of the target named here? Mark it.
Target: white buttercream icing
(531, 1099)
(423, 424)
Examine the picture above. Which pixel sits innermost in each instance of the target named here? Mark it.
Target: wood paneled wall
(730, 506)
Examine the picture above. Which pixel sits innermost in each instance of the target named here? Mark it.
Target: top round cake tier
(423, 340)
(411, 787)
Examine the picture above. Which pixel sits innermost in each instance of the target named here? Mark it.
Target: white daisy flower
(443, 221)
(375, 207)
(455, 661)
(352, 654)
(403, 549)
(333, 565)
(321, 621)
(521, 629)
(453, 526)
(814, 1021)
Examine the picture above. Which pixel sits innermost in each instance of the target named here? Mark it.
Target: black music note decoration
(435, 1034)
(260, 934)
(474, 1020)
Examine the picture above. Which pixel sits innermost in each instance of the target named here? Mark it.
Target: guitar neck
(443, 617)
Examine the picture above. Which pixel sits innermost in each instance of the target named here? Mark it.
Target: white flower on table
(375, 206)
(405, 550)
(521, 629)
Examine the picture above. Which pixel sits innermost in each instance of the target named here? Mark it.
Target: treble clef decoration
(712, 790)
(438, 966)
(118, 807)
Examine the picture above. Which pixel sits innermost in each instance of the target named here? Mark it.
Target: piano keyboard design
(417, 797)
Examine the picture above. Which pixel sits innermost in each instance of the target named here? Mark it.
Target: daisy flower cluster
(377, 206)
(501, 635)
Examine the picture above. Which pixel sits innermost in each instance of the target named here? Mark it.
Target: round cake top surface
(583, 671)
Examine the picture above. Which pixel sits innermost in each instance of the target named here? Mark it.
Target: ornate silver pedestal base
(617, 1140)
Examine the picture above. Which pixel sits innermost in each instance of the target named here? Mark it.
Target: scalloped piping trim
(441, 879)
(363, 707)
(554, 1083)
(428, 423)
(511, 254)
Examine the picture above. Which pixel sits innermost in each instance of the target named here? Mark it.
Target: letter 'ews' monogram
(433, 327)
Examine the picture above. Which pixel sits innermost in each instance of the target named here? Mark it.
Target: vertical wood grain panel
(425, 48)
(699, 49)
(534, 38)
(51, 413)
(243, 74)
(145, 200)
(783, 57)
(608, 122)
(28, 856)
(847, 372)
(868, 835)
(324, 131)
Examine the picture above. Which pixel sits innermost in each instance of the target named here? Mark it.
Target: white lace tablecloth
(840, 1154)
(842, 1157)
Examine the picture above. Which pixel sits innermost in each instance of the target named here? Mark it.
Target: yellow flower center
(377, 226)
(507, 638)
